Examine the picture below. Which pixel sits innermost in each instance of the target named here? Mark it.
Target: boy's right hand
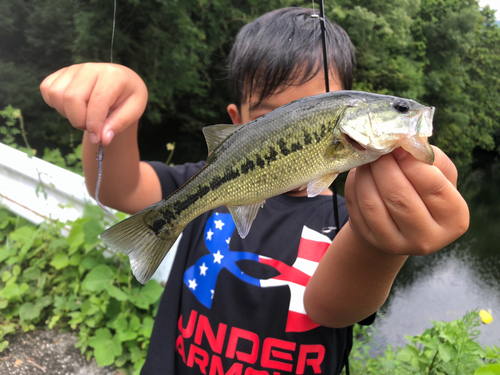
(103, 99)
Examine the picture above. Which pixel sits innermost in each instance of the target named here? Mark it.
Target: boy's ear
(233, 112)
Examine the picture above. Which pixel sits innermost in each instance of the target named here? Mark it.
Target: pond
(461, 277)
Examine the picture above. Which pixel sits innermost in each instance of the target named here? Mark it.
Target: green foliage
(446, 348)
(9, 131)
(58, 282)
(442, 52)
(9, 134)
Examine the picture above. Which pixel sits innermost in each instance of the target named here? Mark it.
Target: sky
(494, 4)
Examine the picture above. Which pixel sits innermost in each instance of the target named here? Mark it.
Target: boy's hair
(283, 48)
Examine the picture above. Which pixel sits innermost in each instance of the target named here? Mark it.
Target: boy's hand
(103, 99)
(400, 205)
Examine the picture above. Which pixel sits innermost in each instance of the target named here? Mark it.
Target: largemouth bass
(304, 144)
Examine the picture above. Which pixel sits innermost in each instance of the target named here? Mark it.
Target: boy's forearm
(351, 283)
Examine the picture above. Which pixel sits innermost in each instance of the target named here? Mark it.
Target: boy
(234, 306)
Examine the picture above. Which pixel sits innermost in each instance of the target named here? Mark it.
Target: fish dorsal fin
(243, 216)
(216, 134)
(320, 184)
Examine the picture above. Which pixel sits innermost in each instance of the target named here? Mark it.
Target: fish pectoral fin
(320, 184)
(419, 147)
(333, 150)
(216, 134)
(144, 247)
(244, 216)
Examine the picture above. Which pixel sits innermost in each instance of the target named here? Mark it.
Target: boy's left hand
(399, 205)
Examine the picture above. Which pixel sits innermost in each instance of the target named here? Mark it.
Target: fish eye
(401, 106)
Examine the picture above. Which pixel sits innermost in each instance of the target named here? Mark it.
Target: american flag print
(201, 278)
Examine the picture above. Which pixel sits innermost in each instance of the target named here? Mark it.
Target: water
(460, 278)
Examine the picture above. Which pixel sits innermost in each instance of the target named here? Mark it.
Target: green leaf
(3, 303)
(98, 279)
(120, 323)
(5, 253)
(103, 351)
(58, 245)
(10, 291)
(138, 366)
(91, 232)
(60, 261)
(29, 311)
(11, 281)
(102, 336)
(446, 352)
(6, 275)
(116, 292)
(152, 291)
(75, 259)
(76, 236)
(53, 321)
(23, 288)
(405, 355)
(135, 323)
(90, 322)
(147, 327)
(136, 354)
(121, 360)
(89, 263)
(3, 345)
(16, 270)
(139, 300)
(43, 301)
(106, 347)
(25, 236)
(127, 336)
(31, 273)
(491, 369)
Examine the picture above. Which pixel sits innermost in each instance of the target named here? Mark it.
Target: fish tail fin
(145, 248)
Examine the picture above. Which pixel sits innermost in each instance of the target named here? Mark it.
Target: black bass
(304, 144)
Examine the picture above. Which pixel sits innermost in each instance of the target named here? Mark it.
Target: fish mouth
(419, 147)
(417, 144)
(354, 143)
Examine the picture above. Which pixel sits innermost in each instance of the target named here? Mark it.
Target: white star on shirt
(212, 291)
(192, 284)
(203, 269)
(218, 257)
(219, 224)
(209, 234)
(228, 240)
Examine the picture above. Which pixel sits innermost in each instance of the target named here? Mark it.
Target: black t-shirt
(233, 306)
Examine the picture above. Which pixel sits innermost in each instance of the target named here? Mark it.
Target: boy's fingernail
(93, 138)
(399, 153)
(110, 135)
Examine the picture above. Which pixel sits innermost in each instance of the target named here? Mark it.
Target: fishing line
(113, 30)
(334, 184)
(321, 19)
(100, 153)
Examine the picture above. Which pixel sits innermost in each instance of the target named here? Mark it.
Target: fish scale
(303, 144)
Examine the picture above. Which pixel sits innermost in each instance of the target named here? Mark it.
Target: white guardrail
(37, 191)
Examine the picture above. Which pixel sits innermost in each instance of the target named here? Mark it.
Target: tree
(441, 52)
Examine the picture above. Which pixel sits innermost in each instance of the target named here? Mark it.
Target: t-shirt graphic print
(201, 278)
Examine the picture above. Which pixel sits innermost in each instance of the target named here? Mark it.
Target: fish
(304, 144)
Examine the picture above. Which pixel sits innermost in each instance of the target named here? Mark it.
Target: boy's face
(250, 112)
